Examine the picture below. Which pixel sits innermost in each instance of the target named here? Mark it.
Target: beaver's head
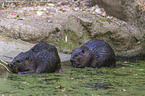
(20, 63)
(81, 57)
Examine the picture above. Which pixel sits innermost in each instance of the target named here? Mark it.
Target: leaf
(51, 5)
(18, 16)
(59, 87)
(13, 14)
(20, 19)
(39, 13)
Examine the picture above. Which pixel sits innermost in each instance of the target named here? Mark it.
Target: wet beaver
(42, 58)
(95, 53)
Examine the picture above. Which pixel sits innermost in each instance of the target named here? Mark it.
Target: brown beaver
(94, 53)
(42, 58)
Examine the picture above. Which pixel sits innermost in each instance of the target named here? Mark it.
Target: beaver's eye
(83, 51)
(18, 61)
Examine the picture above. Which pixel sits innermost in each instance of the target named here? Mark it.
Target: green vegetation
(106, 20)
(127, 79)
(68, 41)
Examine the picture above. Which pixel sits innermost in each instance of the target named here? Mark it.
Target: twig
(4, 65)
(4, 62)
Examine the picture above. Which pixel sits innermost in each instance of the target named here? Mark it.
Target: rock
(112, 7)
(131, 11)
(71, 29)
(10, 48)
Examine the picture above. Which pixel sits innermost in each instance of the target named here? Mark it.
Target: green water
(128, 79)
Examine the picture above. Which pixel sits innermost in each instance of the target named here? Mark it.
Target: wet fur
(42, 58)
(94, 53)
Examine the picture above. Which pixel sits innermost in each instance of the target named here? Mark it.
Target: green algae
(127, 79)
(106, 20)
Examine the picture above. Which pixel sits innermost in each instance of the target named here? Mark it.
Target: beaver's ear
(21, 52)
(29, 58)
(85, 49)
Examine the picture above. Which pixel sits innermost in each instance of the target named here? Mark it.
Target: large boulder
(112, 7)
(132, 11)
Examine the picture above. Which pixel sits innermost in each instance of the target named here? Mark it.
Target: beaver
(42, 58)
(95, 53)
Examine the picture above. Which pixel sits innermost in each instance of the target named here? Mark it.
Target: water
(128, 79)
